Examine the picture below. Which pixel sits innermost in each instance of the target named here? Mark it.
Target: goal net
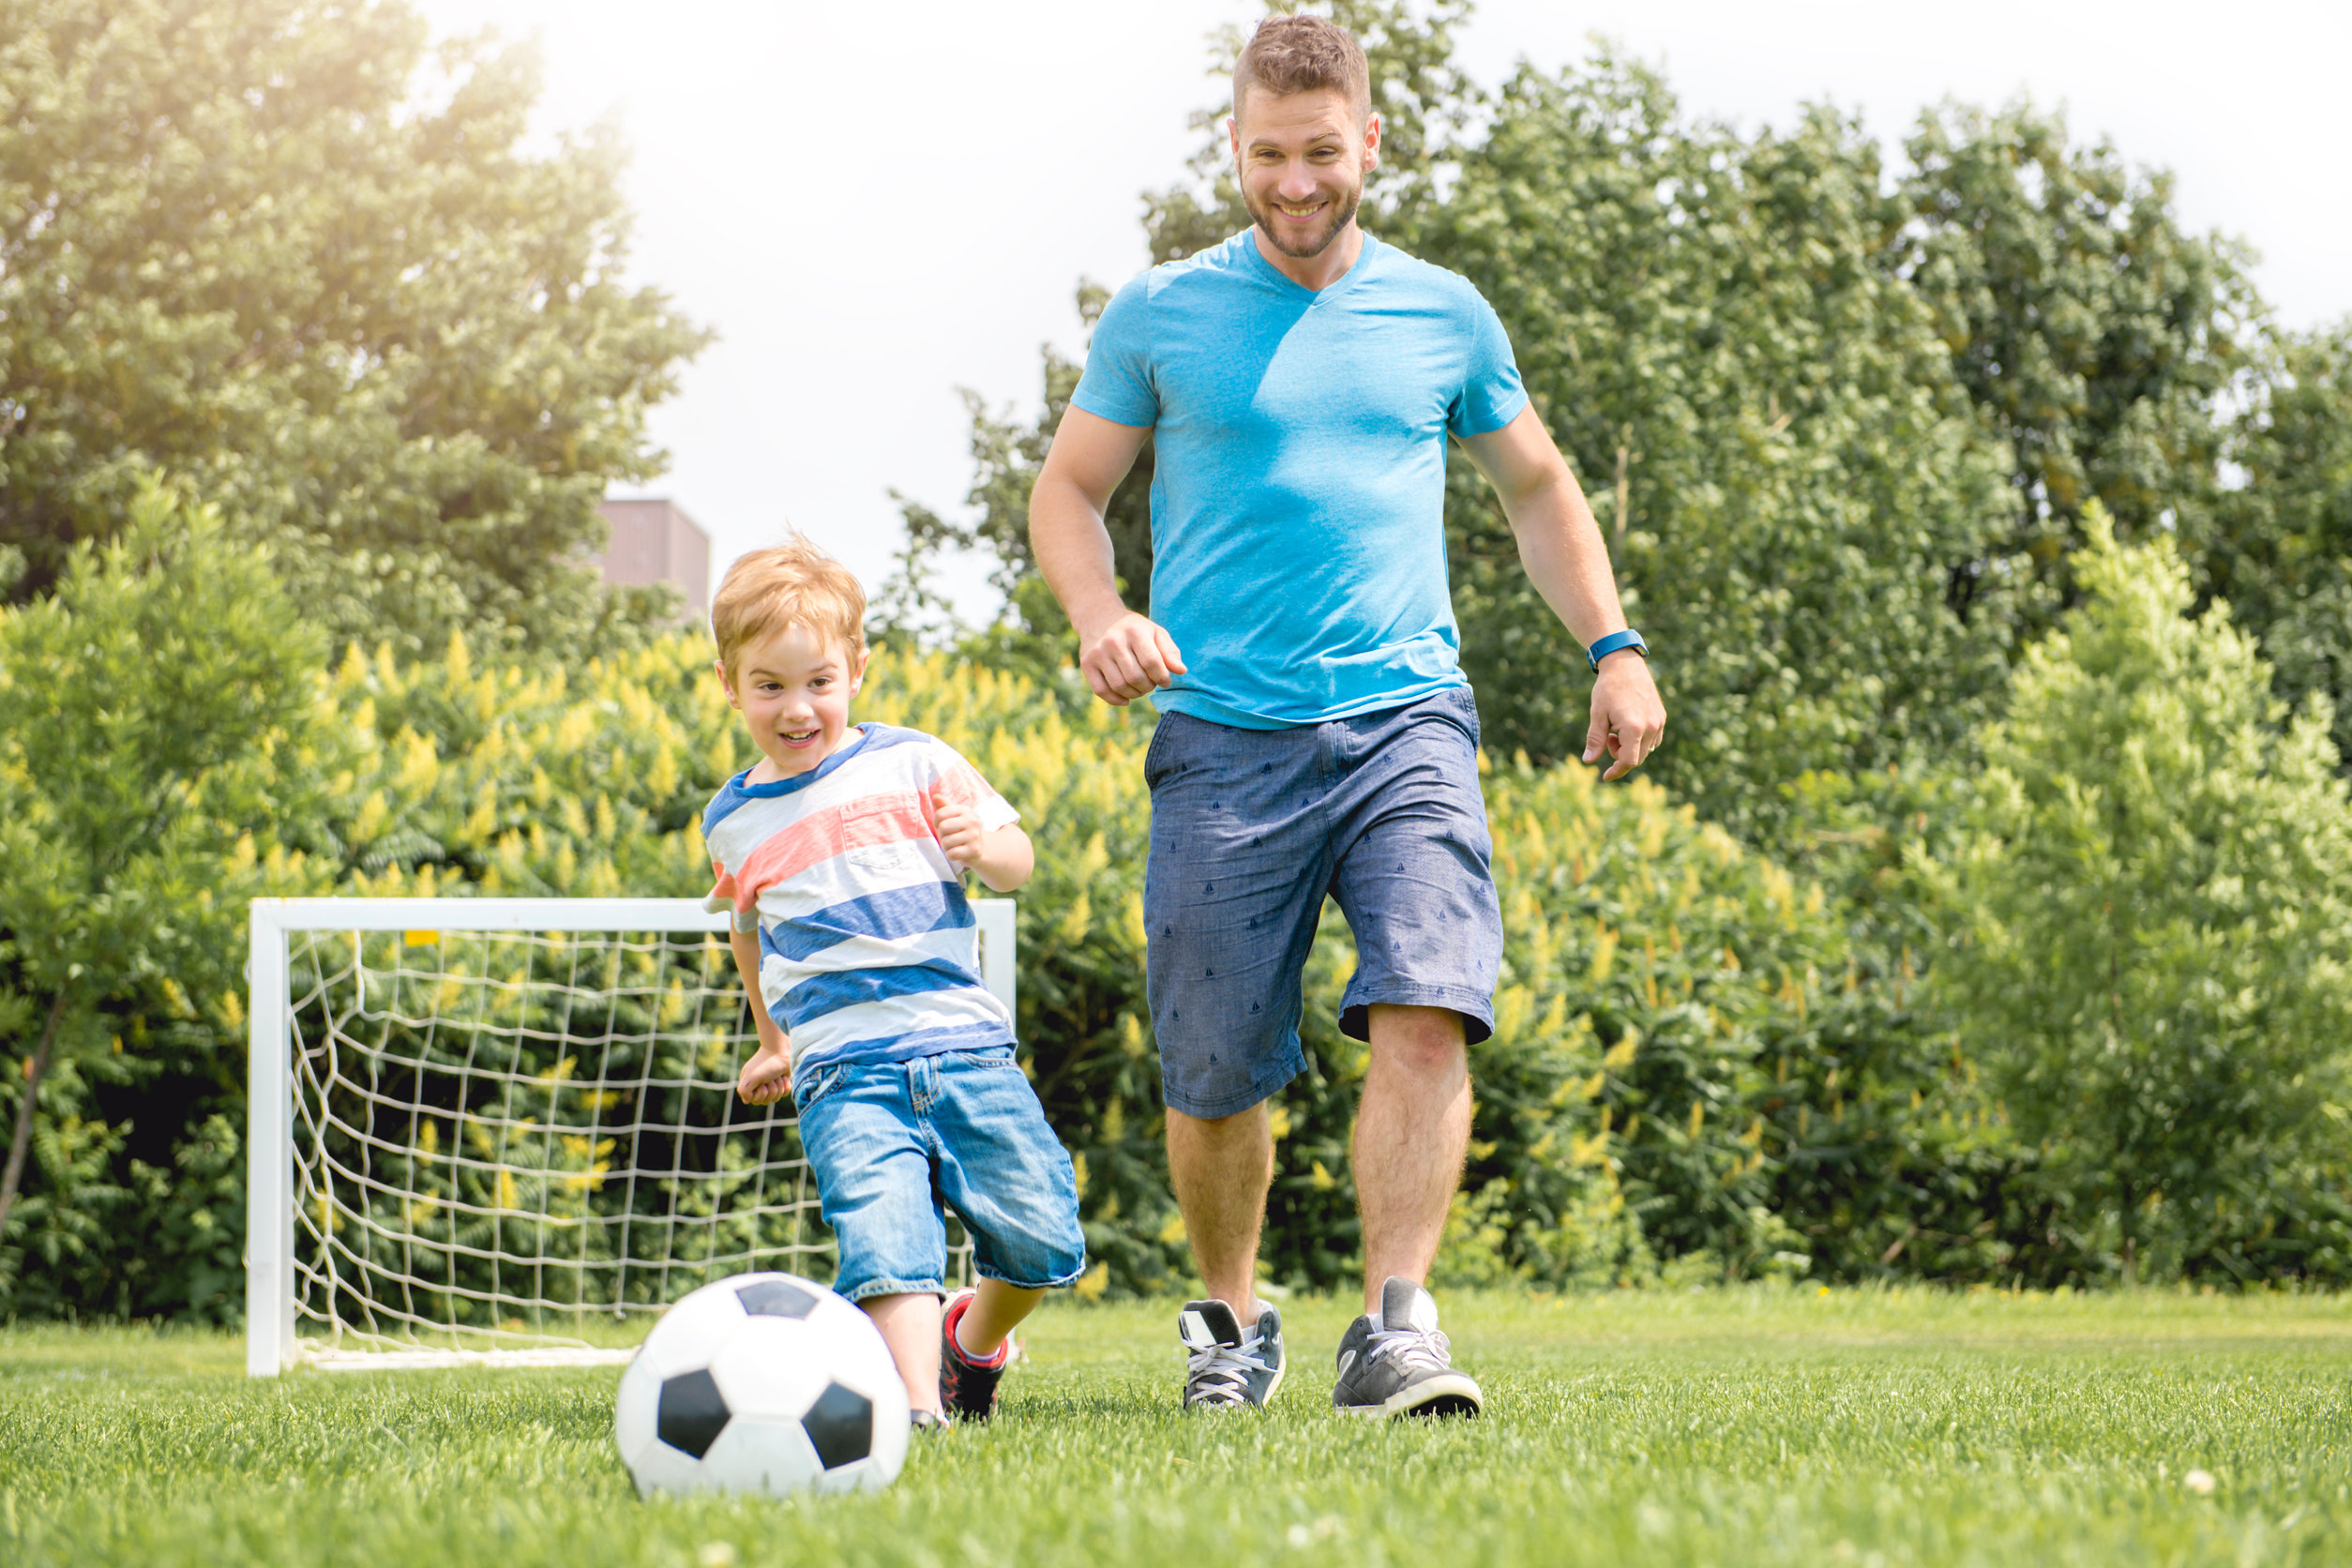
(504, 1130)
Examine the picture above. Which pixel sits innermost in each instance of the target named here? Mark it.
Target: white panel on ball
(689, 1333)
(765, 1369)
(633, 1416)
(655, 1467)
(771, 1456)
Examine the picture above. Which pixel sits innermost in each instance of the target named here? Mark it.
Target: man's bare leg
(1222, 1170)
(1411, 1132)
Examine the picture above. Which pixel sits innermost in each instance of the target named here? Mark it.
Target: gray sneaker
(1398, 1363)
(1225, 1368)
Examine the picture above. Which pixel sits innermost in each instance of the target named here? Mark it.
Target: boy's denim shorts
(1252, 828)
(890, 1142)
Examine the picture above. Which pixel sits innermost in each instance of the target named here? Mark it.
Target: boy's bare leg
(910, 1326)
(996, 1308)
(1411, 1132)
(1223, 1168)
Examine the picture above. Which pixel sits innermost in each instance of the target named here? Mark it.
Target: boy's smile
(792, 688)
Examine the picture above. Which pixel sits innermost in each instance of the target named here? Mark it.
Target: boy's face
(793, 688)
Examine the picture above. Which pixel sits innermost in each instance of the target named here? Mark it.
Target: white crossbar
(488, 914)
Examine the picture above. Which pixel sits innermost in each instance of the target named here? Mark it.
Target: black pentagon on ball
(840, 1425)
(692, 1412)
(775, 1298)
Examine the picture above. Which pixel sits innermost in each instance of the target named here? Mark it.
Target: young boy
(841, 852)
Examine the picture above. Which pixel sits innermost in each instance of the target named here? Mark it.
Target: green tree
(296, 256)
(1791, 476)
(149, 708)
(2093, 332)
(2155, 942)
(1784, 467)
(2278, 544)
(1841, 436)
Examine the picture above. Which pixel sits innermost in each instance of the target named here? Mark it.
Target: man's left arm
(1560, 547)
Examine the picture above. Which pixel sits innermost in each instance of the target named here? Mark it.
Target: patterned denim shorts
(1252, 828)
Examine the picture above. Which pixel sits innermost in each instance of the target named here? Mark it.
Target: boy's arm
(1002, 855)
(1007, 857)
(768, 1075)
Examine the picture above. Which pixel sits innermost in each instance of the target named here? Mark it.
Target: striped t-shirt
(868, 948)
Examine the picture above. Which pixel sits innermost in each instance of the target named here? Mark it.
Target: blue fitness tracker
(1612, 644)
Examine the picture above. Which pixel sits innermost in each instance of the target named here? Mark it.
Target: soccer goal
(499, 1130)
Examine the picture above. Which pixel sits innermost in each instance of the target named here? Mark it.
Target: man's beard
(1343, 212)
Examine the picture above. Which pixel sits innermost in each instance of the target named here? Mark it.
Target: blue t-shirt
(1298, 489)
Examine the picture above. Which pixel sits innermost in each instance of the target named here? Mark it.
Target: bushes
(2155, 953)
(1705, 1061)
(1654, 965)
(164, 695)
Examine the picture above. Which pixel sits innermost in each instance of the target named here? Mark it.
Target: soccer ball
(763, 1382)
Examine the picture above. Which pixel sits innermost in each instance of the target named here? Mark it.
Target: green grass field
(1736, 1427)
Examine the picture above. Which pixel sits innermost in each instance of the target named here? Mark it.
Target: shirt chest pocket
(875, 834)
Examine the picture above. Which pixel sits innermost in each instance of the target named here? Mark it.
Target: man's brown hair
(1304, 55)
(793, 583)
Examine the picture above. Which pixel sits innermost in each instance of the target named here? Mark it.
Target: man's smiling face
(1302, 159)
(792, 688)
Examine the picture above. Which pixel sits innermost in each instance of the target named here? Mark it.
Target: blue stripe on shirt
(880, 737)
(819, 994)
(893, 916)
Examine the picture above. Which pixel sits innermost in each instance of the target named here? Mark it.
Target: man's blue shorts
(890, 1142)
(1250, 829)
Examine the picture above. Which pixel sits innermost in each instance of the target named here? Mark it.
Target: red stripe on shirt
(885, 817)
(961, 784)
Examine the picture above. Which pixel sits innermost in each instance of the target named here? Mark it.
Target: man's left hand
(1628, 719)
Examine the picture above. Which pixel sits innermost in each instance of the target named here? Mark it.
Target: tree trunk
(2131, 1216)
(23, 1139)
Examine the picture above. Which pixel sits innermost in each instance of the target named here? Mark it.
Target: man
(1315, 732)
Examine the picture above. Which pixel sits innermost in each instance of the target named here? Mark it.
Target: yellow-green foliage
(1654, 971)
(569, 781)
(1638, 1101)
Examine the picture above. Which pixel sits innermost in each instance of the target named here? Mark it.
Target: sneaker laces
(1219, 1375)
(1415, 1350)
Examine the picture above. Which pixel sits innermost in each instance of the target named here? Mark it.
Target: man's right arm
(1122, 654)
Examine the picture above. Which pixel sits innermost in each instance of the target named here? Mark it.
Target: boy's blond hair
(793, 583)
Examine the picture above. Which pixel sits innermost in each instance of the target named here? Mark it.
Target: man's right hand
(1123, 653)
(1128, 658)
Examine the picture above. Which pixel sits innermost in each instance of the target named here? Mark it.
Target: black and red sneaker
(967, 1384)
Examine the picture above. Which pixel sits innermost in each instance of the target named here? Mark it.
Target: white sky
(876, 206)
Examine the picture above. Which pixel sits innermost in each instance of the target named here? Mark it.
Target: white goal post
(497, 1130)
